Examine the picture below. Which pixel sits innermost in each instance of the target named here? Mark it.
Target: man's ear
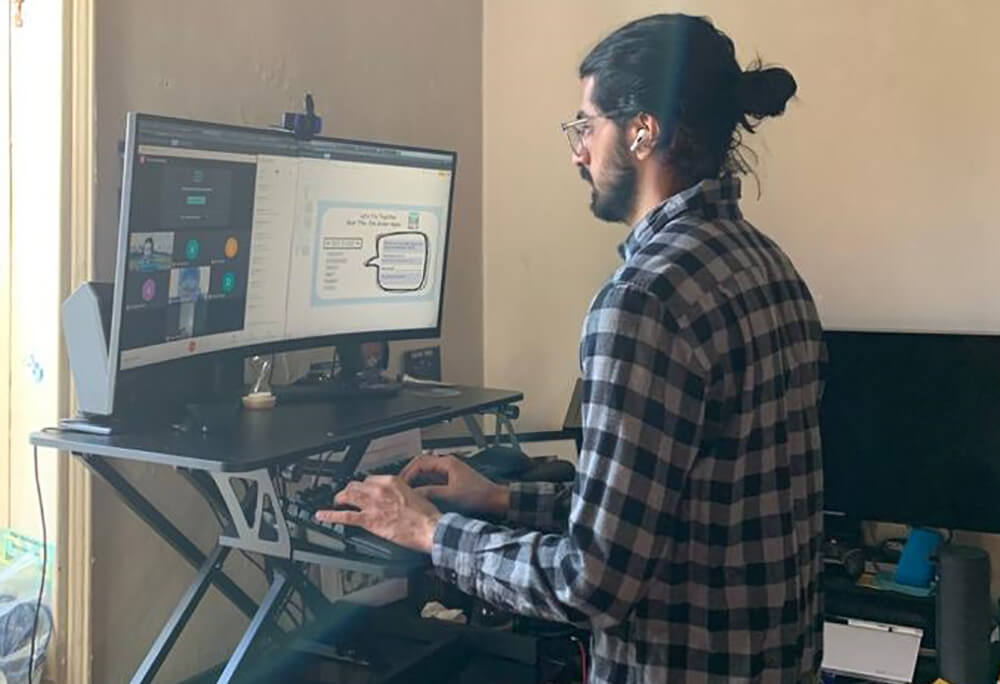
(644, 133)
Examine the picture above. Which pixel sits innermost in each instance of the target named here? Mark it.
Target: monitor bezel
(315, 341)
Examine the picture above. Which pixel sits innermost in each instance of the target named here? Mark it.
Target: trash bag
(18, 599)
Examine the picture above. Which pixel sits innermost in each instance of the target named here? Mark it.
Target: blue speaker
(915, 568)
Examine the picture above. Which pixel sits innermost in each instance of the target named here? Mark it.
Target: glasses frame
(573, 131)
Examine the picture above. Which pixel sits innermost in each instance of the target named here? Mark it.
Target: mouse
(550, 471)
(499, 461)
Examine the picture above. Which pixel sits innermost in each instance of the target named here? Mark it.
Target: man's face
(147, 249)
(604, 162)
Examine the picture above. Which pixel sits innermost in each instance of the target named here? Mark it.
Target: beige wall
(390, 70)
(879, 181)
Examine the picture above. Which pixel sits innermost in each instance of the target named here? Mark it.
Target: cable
(323, 458)
(264, 572)
(286, 609)
(45, 560)
(583, 659)
(300, 607)
(254, 562)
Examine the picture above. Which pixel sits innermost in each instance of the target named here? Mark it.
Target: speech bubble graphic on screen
(401, 260)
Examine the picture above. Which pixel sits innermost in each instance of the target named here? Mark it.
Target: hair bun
(764, 92)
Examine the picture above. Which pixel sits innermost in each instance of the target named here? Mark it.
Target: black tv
(911, 428)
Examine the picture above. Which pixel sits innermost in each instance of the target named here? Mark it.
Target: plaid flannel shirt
(692, 541)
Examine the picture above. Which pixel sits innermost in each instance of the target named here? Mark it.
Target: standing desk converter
(255, 451)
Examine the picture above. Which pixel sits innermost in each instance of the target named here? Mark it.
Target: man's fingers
(354, 494)
(416, 465)
(352, 518)
(413, 464)
(379, 480)
(426, 466)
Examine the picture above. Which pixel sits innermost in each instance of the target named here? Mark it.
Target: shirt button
(452, 576)
(733, 575)
(771, 660)
(799, 509)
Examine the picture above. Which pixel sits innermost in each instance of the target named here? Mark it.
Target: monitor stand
(206, 416)
(200, 395)
(213, 416)
(353, 380)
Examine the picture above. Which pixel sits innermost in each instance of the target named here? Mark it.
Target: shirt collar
(714, 198)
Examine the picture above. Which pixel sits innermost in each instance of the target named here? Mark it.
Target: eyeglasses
(578, 130)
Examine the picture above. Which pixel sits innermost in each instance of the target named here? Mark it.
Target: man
(147, 262)
(691, 546)
(189, 294)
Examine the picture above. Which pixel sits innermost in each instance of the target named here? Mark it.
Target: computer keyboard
(320, 534)
(300, 511)
(495, 462)
(329, 391)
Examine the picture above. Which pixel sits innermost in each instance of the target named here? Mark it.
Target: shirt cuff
(453, 551)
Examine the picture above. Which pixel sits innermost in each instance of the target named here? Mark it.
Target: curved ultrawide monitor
(248, 239)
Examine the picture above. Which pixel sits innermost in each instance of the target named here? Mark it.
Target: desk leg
(149, 514)
(272, 599)
(476, 430)
(178, 619)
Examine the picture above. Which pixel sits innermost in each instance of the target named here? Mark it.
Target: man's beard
(614, 202)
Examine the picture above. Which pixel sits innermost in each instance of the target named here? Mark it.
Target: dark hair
(683, 70)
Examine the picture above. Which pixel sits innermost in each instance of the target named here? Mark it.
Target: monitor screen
(243, 238)
(911, 428)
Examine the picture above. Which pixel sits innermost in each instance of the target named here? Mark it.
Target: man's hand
(456, 483)
(387, 507)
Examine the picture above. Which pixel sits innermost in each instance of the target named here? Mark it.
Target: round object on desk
(854, 563)
(259, 401)
(851, 560)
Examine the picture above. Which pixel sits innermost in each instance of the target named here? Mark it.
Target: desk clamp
(265, 531)
(504, 417)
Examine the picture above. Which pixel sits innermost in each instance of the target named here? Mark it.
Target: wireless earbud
(639, 137)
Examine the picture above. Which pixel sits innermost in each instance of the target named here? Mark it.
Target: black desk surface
(286, 432)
